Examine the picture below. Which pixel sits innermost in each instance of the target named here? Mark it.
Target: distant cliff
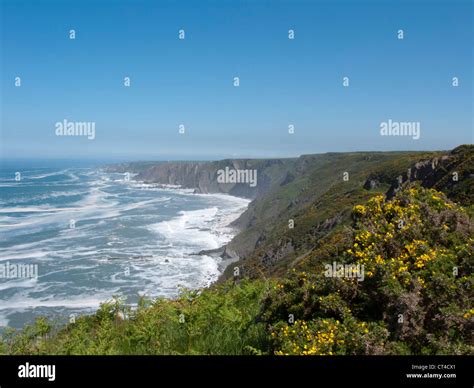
(203, 176)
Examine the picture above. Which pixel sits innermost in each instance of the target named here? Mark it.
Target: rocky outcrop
(426, 171)
(451, 173)
(371, 184)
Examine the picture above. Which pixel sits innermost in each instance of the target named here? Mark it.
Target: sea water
(95, 235)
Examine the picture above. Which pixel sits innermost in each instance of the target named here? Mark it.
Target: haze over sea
(128, 239)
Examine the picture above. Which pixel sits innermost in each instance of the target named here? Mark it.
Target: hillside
(313, 194)
(319, 201)
(377, 264)
(415, 297)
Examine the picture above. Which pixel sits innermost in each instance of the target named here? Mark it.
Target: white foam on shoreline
(83, 301)
(157, 266)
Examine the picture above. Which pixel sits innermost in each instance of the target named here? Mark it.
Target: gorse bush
(415, 297)
(417, 254)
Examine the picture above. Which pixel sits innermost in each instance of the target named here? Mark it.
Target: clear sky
(190, 81)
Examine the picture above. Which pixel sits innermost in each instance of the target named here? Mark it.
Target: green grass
(218, 321)
(317, 196)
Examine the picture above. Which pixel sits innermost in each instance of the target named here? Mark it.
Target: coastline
(201, 229)
(223, 256)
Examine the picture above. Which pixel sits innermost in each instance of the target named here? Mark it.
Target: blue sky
(190, 81)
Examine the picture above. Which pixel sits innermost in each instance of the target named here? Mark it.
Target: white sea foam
(53, 194)
(81, 301)
(189, 228)
(34, 209)
(14, 254)
(14, 283)
(175, 189)
(42, 176)
(121, 224)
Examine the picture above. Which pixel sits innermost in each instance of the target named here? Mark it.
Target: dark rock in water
(211, 252)
(142, 257)
(167, 261)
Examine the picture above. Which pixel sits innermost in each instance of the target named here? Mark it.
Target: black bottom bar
(136, 371)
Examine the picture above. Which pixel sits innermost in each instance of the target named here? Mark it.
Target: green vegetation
(415, 299)
(317, 201)
(217, 321)
(416, 249)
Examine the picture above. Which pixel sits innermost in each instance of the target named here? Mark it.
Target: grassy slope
(250, 317)
(217, 321)
(317, 200)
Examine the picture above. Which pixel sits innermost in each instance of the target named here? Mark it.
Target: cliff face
(452, 173)
(203, 176)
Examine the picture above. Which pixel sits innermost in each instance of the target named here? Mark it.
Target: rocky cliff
(452, 173)
(203, 176)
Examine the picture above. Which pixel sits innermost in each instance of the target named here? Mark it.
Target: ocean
(93, 235)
